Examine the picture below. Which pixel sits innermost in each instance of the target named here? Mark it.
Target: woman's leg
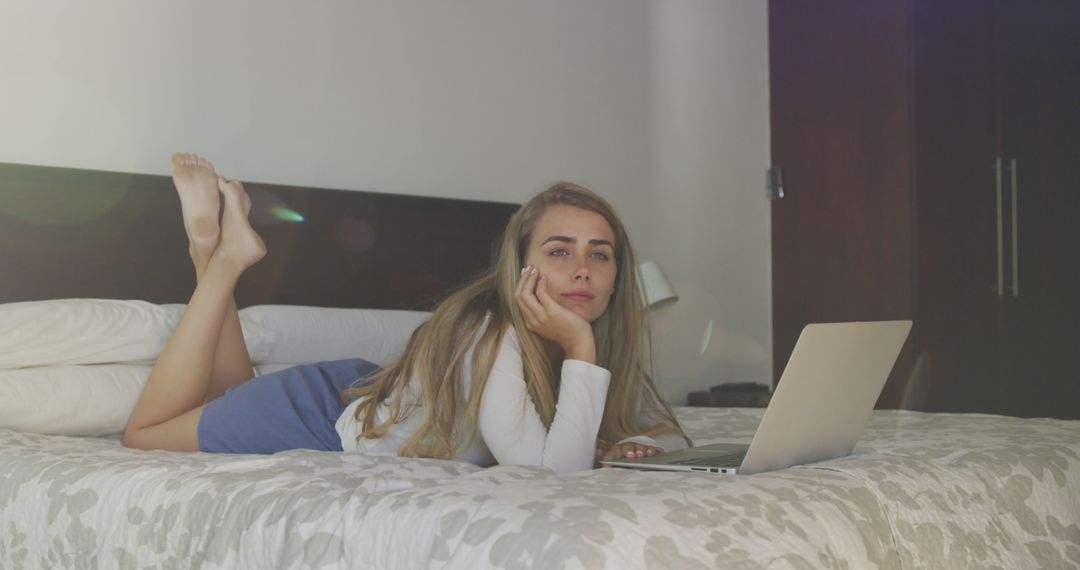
(168, 411)
(197, 184)
(232, 362)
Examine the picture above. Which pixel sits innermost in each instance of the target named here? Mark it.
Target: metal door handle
(1000, 239)
(1015, 230)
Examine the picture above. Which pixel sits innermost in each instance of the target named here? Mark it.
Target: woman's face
(575, 249)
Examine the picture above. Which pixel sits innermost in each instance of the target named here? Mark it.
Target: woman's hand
(547, 318)
(628, 450)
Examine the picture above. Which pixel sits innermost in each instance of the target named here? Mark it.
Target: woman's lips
(579, 296)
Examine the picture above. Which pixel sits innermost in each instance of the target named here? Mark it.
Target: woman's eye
(560, 252)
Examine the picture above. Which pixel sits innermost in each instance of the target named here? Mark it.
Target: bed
(920, 491)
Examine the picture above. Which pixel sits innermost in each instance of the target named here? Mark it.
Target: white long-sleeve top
(511, 431)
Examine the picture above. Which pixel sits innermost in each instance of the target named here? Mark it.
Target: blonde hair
(435, 355)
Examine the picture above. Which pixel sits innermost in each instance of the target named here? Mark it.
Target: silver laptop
(819, 409)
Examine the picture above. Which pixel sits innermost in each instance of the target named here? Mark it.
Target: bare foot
(196, 183)
(240, 245)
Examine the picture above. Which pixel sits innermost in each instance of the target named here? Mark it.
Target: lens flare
(707, 338)
(285, 214)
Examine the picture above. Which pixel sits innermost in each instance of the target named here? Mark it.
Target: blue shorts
(295, 408)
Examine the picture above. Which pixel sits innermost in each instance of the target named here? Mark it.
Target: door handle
(1000, 239)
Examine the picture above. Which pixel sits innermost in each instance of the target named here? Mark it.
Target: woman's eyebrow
(574, 240)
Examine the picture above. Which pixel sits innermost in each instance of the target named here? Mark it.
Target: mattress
(920, 491)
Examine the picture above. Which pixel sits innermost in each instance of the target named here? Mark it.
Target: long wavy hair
(427, 378)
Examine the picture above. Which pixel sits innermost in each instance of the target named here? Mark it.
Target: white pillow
(91, 331)
(77, 366)
(298, 334)
(71, 400)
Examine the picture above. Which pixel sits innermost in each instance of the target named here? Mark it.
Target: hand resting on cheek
(547, 318)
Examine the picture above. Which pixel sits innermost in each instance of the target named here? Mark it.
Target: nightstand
(742, 395)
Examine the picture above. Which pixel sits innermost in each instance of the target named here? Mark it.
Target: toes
(230, 186)
(189, 159)
(223, 183)
(234, 193)
(179, 159)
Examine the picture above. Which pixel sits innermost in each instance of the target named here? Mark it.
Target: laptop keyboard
(733, 460)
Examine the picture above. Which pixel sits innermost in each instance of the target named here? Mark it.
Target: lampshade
(656, 286)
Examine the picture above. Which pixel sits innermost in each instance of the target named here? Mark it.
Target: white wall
(661, 106)
(474, 98)
(710, 108)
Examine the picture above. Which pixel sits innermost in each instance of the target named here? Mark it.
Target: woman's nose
(582, 273)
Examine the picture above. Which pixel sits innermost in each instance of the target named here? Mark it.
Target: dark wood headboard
(68, 233)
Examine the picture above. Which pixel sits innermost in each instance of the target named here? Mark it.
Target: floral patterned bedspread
(921, 491)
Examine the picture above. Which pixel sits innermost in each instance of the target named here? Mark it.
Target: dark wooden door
(1039, 47)
(841, 241)
(929, 152)
(954, 81)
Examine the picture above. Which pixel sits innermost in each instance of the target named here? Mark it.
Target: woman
(540, 362)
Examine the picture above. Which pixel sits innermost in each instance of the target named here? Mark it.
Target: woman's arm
(511, 426)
